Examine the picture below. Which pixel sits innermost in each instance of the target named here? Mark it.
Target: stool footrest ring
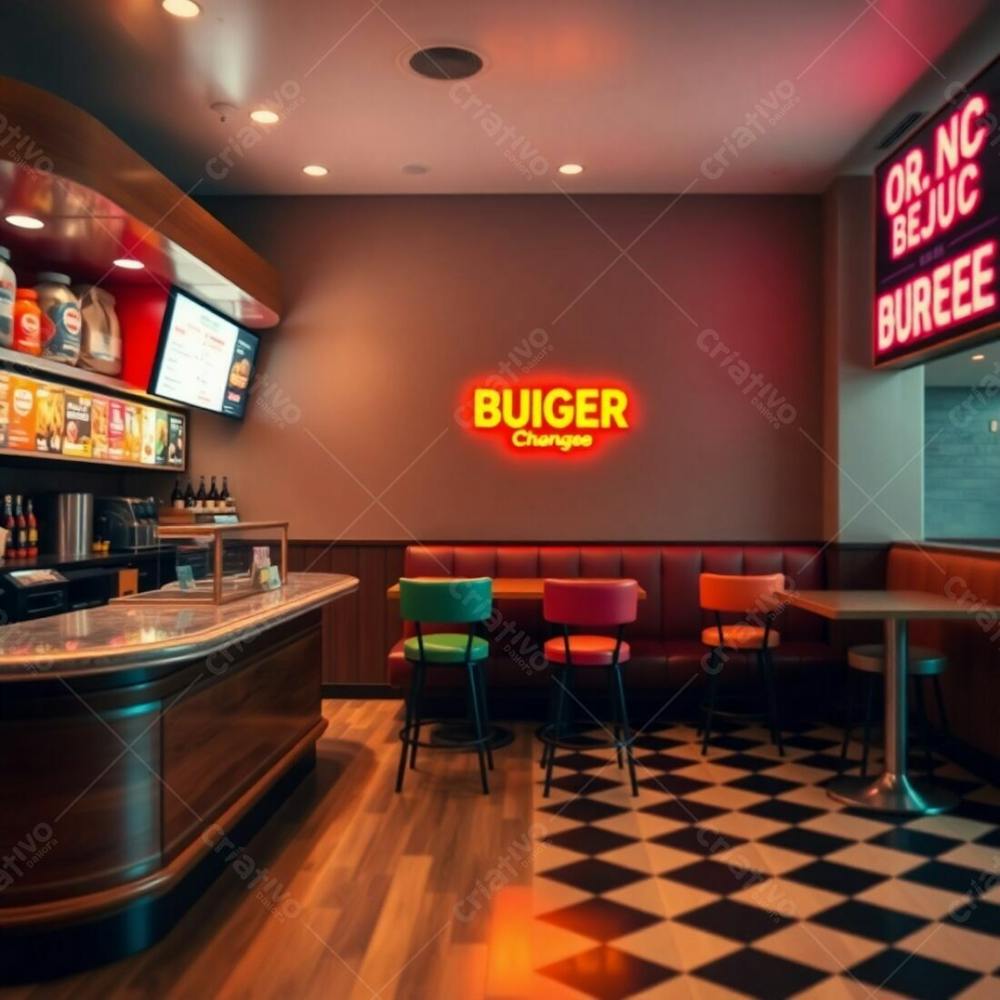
(547, 735)
(406, 736)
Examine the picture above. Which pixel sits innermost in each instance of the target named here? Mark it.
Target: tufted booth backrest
(668, 573)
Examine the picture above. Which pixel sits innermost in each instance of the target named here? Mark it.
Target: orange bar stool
(924, 666)
(590, 604)
(751, 597)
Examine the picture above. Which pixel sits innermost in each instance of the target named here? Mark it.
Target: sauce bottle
(32, 531)
(21, 530)
(8, 286)
(11, 528)
(27, 322)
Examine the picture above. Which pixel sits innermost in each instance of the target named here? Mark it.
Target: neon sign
(937, 238)
(557, 417)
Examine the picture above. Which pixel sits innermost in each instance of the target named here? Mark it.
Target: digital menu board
(48, 420)
(205, 359)
(937, 230)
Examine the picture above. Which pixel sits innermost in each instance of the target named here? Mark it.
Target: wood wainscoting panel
(359, 628)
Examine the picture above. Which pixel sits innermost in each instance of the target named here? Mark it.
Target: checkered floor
(735, 874)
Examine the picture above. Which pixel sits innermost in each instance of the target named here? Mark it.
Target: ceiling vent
(445, 62)
(901, 128)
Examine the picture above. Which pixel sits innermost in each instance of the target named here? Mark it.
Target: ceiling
(646, 94)
(961, 371)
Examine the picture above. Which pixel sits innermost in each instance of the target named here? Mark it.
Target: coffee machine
(129, 523)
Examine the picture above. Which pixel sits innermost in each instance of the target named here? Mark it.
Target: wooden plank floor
(386, 893)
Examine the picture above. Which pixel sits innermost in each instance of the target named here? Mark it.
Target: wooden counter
(141, 746)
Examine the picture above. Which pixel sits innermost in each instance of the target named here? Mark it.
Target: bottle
(177, 498)
(224, 495)
(32, 531)
(8, 291)
(201, 496)
(21, 530)
(8, 523)
(189, 496)
(27, 322)
(213, 496)
(62, 321)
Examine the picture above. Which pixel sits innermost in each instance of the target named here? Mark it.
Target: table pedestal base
(893, 793)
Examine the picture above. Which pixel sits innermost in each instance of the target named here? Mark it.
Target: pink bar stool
(751, 597)
(590, 604)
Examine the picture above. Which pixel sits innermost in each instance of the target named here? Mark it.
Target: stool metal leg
(714, 669)
(420, 678)
(560, 681)
(923, 727)
(869, 698)
(546, 749)
(848, 717)
(484, 710)
(772, 700)
(942, 715)
(477, 717)
(404, 746)
(626, 728)
(613, 711)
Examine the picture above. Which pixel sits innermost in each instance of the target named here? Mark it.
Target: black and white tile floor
(735, 874)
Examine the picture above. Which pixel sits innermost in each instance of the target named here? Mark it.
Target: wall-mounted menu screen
(205, 359)
(937, 230)
(44, 419)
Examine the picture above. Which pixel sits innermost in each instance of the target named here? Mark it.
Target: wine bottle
(177, 498)
(213, 496)
(224, 495)
(201, 496)
(189, 495)
(32, 531)
(8, 523)
(21, 529)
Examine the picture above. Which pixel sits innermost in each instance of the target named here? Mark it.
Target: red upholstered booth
(666, 638)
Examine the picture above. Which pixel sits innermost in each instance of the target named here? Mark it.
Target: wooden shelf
(27, 364)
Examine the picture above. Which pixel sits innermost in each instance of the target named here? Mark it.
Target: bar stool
(446, 601)
(588, 604)
(752, 597)
(923, 665)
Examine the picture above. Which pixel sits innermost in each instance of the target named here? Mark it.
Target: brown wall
(395, 302)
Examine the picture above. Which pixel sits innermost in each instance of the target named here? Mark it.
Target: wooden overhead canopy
(100, 200)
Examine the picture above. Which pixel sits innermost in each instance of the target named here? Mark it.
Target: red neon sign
(937, 237)
(552, 416)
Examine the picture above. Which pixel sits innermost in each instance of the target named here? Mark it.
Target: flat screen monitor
(204, 359)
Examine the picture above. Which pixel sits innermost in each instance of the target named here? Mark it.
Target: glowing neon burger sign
(936, 232)
(558, 416)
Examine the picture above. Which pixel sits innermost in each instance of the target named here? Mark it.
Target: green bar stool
(448, 601)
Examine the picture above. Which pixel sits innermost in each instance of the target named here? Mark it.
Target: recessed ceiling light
(24, 221)
(978, 357)
(129, 263)
(315, 170)
(571, 169)
(415, 168)
(181, 8)
(264, 116)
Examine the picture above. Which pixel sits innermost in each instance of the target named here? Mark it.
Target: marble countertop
(118, 635)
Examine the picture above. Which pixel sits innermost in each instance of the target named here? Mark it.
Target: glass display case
(219, 563)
